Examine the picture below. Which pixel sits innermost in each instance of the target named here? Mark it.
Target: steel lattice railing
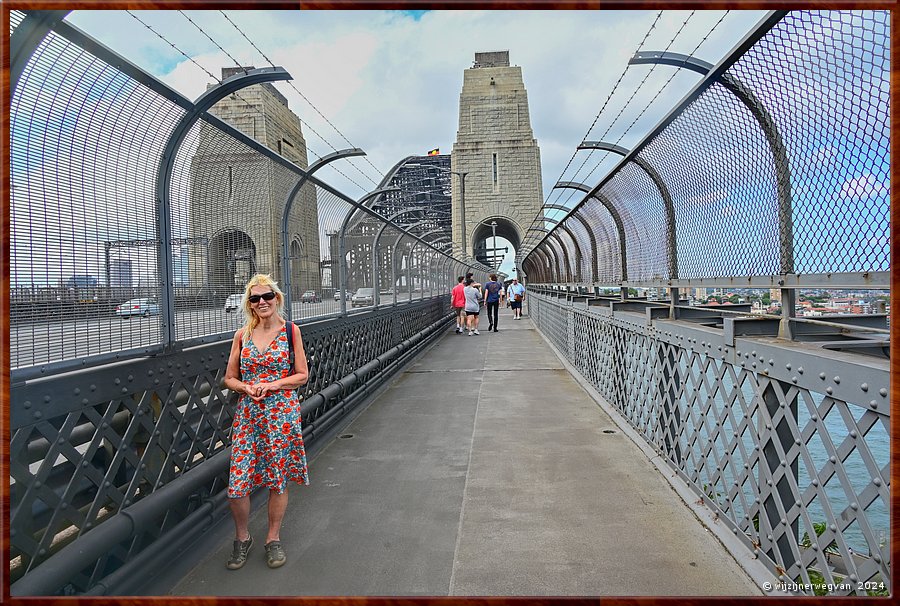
(124, 190)
(787, 443)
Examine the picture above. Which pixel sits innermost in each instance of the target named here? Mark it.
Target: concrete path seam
(462, 507)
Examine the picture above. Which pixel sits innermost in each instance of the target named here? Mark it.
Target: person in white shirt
(516, 294)
(472, 293)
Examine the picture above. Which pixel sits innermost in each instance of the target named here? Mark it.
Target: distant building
(120, 273)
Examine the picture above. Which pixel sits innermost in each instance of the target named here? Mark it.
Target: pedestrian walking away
(493, 294)
(473, 307)
(458, 304)
(266, 435)
(516, 294)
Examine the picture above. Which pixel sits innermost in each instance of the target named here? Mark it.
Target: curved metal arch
(769, 128)
(342, 245)
(565, 253)
(549, 270)
(25, 40)
(554, 264)
(668, 203)
(289, 204)
(164, 178)
(595, 271)
(571, 269)
(616, 217)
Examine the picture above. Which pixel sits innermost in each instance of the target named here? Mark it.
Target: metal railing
(124, 191)
(772, 173)
(787, 443)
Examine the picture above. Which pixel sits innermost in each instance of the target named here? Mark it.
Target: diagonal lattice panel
(794, 460)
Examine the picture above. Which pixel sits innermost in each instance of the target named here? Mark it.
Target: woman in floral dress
(266, 439)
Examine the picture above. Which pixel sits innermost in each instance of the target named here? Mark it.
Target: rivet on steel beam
(797, 441)
(753, 364)
(832, 459)
(85, 463)
(124, 390)
(37, 484)
(769, 482)
(853, 578)
(828, 390)
(788, 366)
(815, 482)
(85, 401)
(753, 353)
(150, 373)
(46, 398)
(784, 463)
(738, 352)
(61, 441)
(832, 528)
(853, 433)
(877, 481)
(814, 418)
(883, 392)
(37, 414)
(93, 387)
(800, 370)
(131, 377)
(771, 362)
(837, 380)
(89, 525)
(815, 547)
(854, 506)
(26, 404)
(76, 391)
(877, 558)
(864, 387)
(117, 381)
(822, 375)
(794, 379)
(127, 502)
(107, 484)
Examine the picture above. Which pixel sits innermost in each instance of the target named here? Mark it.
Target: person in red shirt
(458, 303)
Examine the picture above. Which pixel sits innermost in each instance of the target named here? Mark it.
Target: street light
(494, 231)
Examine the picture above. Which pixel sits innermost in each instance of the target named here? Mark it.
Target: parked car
(363, 297)
(233, 302)
(310, 296)
(138, 307)
(347, 295)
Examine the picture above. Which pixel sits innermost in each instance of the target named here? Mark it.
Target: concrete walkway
(485, 469)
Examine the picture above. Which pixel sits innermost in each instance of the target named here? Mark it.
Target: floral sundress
(266, 437)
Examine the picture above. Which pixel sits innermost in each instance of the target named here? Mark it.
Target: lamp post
(494, 232)
(462, 205)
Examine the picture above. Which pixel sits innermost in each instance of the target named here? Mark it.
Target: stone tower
(238, 197)
(495, 147)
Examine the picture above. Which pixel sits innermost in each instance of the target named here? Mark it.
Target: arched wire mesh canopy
(813, 214)
(87, 133)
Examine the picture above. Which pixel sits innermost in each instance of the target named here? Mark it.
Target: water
(858, 474)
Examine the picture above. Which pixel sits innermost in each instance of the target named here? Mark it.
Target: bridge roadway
(483, 469)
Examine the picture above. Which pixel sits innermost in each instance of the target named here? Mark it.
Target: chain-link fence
(103, 182)
(775, 166)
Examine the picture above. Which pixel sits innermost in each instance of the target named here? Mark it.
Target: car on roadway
(363, 297)
(337, 295)
(233, 302)
(310, 296)
(138, 307)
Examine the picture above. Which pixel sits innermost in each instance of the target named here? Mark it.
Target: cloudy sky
(389, 81)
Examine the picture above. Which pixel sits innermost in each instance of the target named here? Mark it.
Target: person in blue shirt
(493, 294)
(516, 294)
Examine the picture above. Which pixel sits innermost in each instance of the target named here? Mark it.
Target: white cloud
(391, 84)
(863, 187)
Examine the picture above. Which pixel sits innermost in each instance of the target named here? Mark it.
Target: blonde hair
(252, 320)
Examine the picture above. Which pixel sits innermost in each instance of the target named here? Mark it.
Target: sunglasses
(267, 296)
